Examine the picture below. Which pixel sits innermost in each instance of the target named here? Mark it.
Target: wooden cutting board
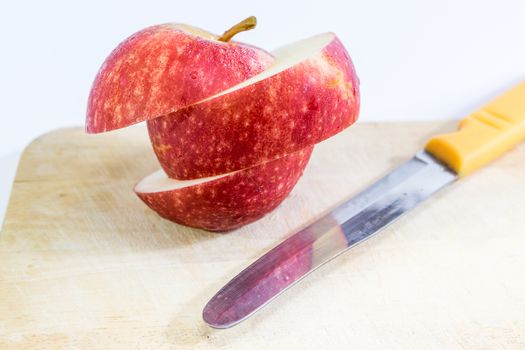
(84, 264)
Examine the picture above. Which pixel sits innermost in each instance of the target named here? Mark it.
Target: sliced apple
(232, 127)
(226, 201)
(308, 94)
(163, 68)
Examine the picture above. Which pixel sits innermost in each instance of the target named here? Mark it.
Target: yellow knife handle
(484, 135)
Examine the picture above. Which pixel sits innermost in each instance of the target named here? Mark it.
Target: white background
(416, 59)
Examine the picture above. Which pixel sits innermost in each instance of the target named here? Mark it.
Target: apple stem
(247, 24)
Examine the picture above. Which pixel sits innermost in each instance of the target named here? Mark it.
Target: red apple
(308, 94)
(163, 68)
(232, 126)
(226, 201)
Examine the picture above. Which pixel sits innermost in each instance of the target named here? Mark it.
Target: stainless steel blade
(347, 225)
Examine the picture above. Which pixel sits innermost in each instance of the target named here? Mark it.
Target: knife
(481, 137)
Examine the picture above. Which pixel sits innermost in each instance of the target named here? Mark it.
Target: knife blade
(482, 137)
(347, 225)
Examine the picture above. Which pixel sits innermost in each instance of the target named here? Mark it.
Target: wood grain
(84, 264)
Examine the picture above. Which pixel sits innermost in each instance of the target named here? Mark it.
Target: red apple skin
(161, 69)
(234, 200)
(301, 106)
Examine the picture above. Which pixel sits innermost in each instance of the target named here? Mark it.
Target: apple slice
(163, 68)
(227, 201)
(307, 95)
